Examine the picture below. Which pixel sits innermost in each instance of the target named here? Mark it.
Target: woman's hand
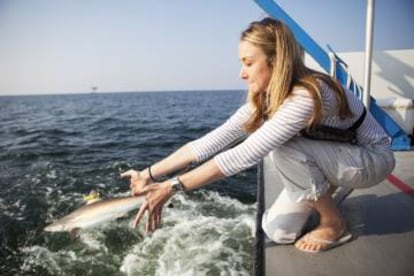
(156, 195)
(138, 180)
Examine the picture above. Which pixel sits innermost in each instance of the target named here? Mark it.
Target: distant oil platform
(94, 89)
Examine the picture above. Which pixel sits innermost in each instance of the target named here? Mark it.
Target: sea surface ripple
(56, 148)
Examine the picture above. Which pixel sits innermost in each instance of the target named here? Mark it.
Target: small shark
(95, 213)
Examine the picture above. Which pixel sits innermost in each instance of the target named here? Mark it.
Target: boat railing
(331, 62)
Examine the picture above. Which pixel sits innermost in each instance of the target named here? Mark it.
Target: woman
(284, 98)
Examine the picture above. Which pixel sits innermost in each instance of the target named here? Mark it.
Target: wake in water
(54, 149)
(204, 234)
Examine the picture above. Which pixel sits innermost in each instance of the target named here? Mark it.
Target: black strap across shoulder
(358, 122)
(327, 133)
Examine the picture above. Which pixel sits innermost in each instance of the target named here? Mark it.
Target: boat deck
(380, 218)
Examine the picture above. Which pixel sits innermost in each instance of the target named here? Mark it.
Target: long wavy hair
(286, 59)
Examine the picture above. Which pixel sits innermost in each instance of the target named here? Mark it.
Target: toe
(304, 243)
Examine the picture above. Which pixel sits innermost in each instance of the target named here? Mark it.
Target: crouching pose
(287, 105)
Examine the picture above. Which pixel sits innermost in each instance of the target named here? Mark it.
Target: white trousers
(307, 168)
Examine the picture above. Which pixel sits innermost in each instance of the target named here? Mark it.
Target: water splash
(193, 240)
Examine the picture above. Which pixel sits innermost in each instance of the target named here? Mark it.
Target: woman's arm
(205, 174)
(176, 161)
(222, 136)
(292, 116)
(195, 151)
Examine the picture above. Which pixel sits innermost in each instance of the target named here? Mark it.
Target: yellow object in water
(93, 195)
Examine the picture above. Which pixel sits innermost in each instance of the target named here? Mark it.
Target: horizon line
(120, 92)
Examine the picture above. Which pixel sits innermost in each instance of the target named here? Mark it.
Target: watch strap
(176, 185)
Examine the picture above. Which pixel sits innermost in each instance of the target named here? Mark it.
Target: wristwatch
(176, 185)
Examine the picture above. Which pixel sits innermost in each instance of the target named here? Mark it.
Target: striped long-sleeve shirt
(292, 116)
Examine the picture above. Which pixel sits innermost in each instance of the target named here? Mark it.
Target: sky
(57, 46)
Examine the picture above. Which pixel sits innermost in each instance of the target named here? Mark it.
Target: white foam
(193, 243)
(205, 234)
(93, 240)
(52, 174)
(41, 256)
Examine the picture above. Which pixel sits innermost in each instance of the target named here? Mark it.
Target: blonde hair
(285, 57)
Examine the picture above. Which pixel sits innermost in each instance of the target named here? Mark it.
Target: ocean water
(56, 148)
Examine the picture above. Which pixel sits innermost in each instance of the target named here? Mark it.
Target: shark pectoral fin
(74, 233)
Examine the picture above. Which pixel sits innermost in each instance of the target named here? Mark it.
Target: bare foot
(330, 231)
(321, 238)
